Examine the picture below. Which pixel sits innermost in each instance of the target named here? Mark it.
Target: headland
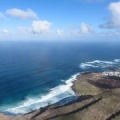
(98, 99)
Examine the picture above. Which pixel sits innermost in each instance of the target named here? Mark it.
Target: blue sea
(35, 74)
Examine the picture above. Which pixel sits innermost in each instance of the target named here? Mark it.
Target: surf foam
(56, 94)
(99, 64)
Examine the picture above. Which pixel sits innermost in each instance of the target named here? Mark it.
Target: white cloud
(24, 14)
(5, 31)
(92, 0)
(114, 20)
(60, 32)
(85, 28)
(41, 27)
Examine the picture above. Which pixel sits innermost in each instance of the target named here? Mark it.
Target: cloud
(40, 26)
(23, 14)
(90, 1)
(60, 32)
(113, 22)
(85, 28)
(4, 31)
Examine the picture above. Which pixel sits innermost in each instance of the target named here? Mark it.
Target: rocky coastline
(98, 99)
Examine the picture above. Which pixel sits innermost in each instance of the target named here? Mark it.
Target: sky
(60, 20)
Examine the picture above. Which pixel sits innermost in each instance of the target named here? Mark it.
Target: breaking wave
(58, 93)
(55, 94)
(99, 64)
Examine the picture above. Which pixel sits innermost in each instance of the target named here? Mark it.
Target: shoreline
(91, 88)
(68, 83)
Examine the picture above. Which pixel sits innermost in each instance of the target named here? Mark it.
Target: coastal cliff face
(99, 99)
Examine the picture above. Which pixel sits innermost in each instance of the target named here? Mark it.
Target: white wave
(87, 65)
(56, 94)
(117, 60)
(100, 61)
(99, 64)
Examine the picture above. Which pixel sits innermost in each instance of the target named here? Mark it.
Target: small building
(116, 74)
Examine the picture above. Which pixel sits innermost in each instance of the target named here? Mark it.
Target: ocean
(35, 74)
